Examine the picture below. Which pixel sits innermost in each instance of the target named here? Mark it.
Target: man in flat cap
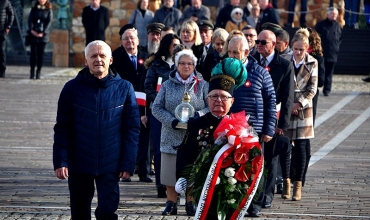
(154, 37)
(271, 27)
(206, 32)
(168, 15)
(125, 27)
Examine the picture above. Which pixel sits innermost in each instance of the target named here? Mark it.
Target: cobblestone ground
(337, 185)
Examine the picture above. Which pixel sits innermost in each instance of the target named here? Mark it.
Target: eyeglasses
(129, 38)
(263, 42)
(249, 35)
(221, 97)
(187, 64)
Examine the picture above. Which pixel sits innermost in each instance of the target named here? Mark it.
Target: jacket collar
(85, 76)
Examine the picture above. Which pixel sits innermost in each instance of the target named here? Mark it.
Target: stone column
(60, 41)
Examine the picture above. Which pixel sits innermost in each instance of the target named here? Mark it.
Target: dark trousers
(329, 70)
(301, 153)
(81, 188)
(156, 127)
(302, 18)
(143, 153)
(2, 55)
(37, 55)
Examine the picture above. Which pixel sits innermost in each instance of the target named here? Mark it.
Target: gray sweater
(168, 98)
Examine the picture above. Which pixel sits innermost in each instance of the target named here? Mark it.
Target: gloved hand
(174, 124)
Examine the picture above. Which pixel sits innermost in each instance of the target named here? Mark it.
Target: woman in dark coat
(39, 22)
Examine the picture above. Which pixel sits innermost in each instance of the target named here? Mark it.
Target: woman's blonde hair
(232, 34)
(302, 34)
(190, 25)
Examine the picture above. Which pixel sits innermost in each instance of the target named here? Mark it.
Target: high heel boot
(286, 189)
(171, 208)
(297, 190)
(37, 74)
(32, 73)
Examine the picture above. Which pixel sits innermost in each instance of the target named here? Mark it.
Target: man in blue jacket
(96, 134)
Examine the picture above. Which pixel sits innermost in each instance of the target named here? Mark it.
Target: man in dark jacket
(224, 15)
(196, 12)
(6, 21)
(95, 19)
(96, 134)
(129, 63)
(282, 74)
(168, 15)
(268, 14)
(331, 36)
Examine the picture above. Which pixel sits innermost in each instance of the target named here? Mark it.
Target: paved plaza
(337, 185)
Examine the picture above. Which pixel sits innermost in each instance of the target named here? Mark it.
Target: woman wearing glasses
(301, 127)
(182, 80)
(236, 22)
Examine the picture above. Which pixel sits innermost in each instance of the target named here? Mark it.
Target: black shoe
(266, 205)
(136, 171)
(254, 213)
(326, 93)
(190, 208)
(279, 188)
(367, 79)
(126, 180)
(171, 208)
(161, 191)
(145, 179)
(152, 172)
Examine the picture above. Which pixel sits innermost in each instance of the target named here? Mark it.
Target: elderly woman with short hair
(182, 80)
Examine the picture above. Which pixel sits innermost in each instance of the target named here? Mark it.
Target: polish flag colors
(141, 98)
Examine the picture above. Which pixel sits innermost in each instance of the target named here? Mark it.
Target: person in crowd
(218, 40)
(220, 100)
(95, 19)
(224, 14)
(331, 37)
(250, 34)
(95, 141)
(248, 8)
(282, 41)
(159, 66)
(236, 22)
(168, 15)
(350, 16)
(302, 17)
(153, 38)
(268, 14)
(252, 19)
(190, 37)
(39, 22)
(232, 34)
(301, 127)
(182, 80)
(6, 22)
(141, 18)
(166, 30)
(256, 97)
(206, 32)
(196, 12)
(129, 64)
(282, 75)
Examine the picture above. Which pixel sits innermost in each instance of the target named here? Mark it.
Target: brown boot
(286, 189)
(297, 190)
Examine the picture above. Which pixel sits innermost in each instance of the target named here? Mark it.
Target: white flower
(231, 201)
(232, 181)
(232, 188)
(246, 187)
(218, 180)
(230, 172)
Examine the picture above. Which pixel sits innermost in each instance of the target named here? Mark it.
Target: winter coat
(301, 125)
(331, 38)
(269, 14)
(140, 22)
(168, 98)
(159, 68)
(95, 23)
(257, 98)
(224, 16)
(97, 125)
(168, 17)
(203, 13)
(39, 20)
(231, 25)
(6, 16)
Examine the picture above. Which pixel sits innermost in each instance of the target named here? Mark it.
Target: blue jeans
(350, 5)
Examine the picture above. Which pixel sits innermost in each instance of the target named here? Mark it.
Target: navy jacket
(97, 125)
(257, 98)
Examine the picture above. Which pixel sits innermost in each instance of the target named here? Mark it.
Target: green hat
(271, 26)
(228, 75)
(205, 24)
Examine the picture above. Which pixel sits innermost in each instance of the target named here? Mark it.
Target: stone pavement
(337, 186)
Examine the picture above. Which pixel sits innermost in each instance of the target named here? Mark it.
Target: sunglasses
(238, 13)
(249, 35)
(263, 42)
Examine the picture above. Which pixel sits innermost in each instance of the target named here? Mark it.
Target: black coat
(224, 16)
(331, 38)
(268, 15)
(209, 63)
(39, 20)
(124, 67)
(282, 75)
(95, 23)
(6, 16)
(321, 72)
